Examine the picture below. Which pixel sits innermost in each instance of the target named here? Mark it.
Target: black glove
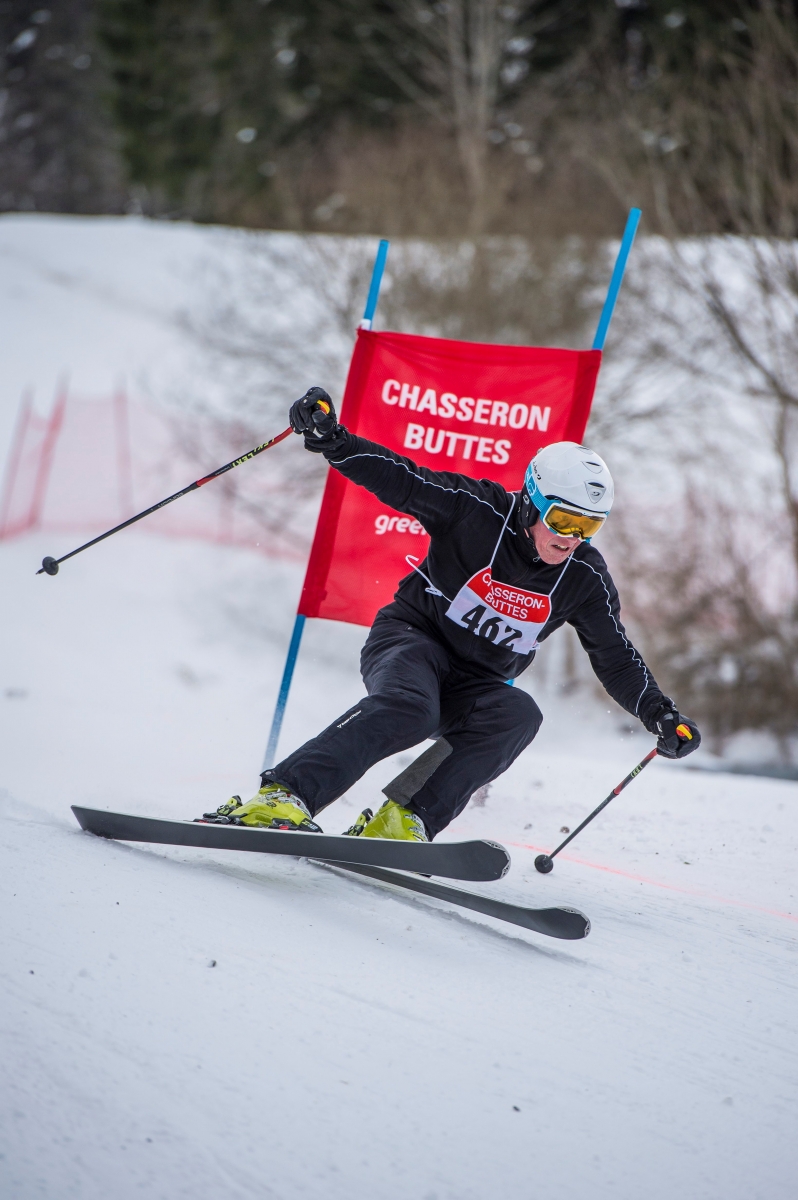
(314, 415)
(678, 736)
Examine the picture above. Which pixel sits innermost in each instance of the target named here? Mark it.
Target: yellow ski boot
(272, 808)
(360, 824)
(393, 821)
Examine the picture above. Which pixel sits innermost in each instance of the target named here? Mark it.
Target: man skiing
(503, 571)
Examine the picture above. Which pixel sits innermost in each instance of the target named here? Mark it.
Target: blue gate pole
(632, 222)
(282, 695)
(374, 288)
(299, 623)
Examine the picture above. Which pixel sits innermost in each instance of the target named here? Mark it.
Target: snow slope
(96, 300)
(92, 300)
(349, 1041)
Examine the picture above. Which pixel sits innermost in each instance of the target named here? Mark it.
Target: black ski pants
(415, 691)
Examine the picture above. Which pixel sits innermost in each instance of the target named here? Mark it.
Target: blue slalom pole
(299, 623)
(632, 223)
(374, 288)
(282, 696)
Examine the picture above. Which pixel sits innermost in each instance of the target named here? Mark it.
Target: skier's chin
(559, 554)
(552, 549)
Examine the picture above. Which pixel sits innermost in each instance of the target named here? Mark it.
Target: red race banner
(479, 410)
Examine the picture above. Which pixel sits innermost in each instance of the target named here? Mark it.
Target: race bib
(505, 615)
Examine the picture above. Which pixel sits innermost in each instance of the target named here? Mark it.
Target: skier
(503, 571)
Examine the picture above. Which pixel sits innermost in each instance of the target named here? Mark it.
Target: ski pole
(50, 565)
(545, 862)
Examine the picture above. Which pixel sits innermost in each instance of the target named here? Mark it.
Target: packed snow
(178, 1023)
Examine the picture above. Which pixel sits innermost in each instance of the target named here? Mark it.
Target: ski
(567, 923)
(479, 860)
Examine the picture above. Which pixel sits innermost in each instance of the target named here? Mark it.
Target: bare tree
(281, 315)
(706, 397)
(284, 308)
(455, 60)
(724, 160)
(712, 608)
(703, 380)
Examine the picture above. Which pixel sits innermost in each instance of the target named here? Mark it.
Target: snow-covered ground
(202, 1025)
(91, 300)
(348, 1041)
(102, 300)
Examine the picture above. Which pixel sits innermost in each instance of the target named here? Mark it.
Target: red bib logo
(510, 601)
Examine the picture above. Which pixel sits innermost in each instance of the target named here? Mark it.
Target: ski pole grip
(684, 732)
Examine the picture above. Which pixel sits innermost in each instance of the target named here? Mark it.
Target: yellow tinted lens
(572, 524)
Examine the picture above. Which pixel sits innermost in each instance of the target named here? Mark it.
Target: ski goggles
(570, 521)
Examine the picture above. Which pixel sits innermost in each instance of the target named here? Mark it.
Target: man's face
(553, 548)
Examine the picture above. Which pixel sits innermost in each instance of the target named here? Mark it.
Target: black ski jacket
(464, 519)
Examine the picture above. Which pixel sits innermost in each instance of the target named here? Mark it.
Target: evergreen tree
(57, 146)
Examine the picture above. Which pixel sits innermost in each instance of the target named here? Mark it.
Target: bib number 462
(493, 628)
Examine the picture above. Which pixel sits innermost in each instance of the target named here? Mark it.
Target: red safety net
(480, 410)
(28, 468)
(92, 463)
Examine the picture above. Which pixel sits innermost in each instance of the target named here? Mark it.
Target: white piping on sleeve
(635, 656)
(421, 478)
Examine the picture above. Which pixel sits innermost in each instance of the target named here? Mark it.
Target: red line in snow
(670, 887)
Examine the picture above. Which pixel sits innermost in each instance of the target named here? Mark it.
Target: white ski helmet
(570, 487)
